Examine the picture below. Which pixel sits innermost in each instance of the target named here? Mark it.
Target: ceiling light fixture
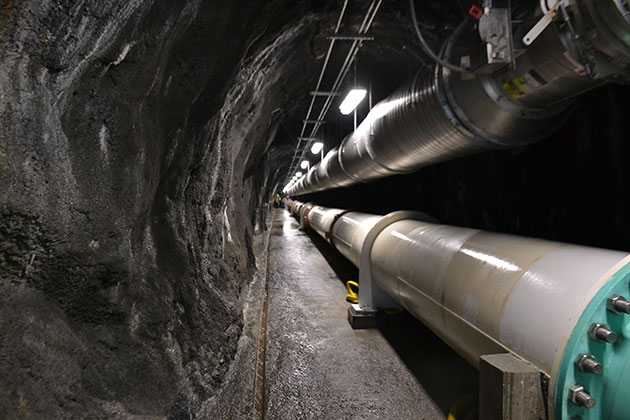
(317, 147)
(352, 100)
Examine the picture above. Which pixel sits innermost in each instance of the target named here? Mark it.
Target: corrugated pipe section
(441, 115)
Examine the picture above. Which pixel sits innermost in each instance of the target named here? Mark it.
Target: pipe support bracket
(371, 296)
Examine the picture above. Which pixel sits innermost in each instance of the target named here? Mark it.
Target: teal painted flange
(611, 389)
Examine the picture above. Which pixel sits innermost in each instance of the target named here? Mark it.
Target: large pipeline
(559, 306)
(442, 115)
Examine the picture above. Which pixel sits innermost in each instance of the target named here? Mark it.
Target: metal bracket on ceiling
(545, 21)
(323, 93)
(345, 37)
(495, 30)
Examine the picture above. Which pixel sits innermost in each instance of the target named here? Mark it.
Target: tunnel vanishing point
(349, 209)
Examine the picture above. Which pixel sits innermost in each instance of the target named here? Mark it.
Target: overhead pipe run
(523, 82)
(563, 308)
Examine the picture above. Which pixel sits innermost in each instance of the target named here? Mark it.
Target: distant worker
(276, 201)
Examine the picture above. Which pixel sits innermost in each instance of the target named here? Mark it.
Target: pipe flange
(596, 362)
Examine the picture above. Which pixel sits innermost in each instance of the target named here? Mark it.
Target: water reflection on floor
(318, 367)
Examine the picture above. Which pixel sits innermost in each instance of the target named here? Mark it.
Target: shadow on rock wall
(132, 136)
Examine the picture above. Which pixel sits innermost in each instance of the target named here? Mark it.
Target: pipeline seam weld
(329, 234)
(307, 213)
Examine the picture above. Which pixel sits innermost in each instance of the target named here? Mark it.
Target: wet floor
(317, 367)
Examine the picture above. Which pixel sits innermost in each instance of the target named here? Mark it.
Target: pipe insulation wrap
(487, 293)
(349, 234)
(526, 294)
(349, 231)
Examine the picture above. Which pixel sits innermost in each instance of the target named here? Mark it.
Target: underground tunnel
(315, 209)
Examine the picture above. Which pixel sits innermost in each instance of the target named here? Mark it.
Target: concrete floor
(317, 367)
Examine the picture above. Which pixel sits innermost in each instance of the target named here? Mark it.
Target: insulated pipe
(348, 231)
(549, 303)
(441, 115)
(291, 205)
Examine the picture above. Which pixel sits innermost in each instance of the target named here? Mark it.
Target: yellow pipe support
(352, 296)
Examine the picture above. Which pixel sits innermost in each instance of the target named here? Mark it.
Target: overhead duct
(518, 92)
(561, 307)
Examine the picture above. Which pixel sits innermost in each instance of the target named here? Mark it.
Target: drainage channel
(259, 380)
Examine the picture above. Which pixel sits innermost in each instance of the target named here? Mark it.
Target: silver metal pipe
(546, 302)
(440, 115)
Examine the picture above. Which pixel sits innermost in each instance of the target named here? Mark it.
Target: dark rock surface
(132, 145)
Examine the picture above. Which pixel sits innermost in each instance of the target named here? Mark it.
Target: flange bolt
(580, 397)
(618, 304)
(601, 332)
(588, 364)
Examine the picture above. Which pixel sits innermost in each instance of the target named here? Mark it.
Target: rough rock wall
(132, 136)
